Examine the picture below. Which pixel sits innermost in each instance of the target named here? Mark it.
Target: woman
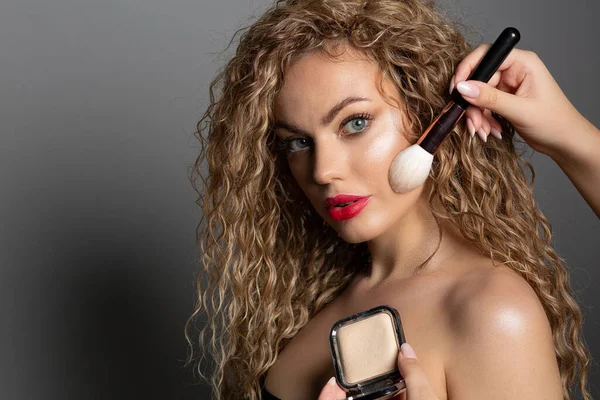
(319, 98)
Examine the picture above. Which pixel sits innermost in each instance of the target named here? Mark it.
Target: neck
(399, 252)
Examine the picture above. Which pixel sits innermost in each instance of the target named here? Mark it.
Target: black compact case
(377, 335)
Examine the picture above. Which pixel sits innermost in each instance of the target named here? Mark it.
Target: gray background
(98, 105)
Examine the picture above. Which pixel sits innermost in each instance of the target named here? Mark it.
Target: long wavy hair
(269, 262)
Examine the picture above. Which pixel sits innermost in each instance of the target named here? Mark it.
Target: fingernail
(482, 135)
(467, 89)
(470, 127)
(407, 351)
(451, 85)
(496, 133)
(331, 381)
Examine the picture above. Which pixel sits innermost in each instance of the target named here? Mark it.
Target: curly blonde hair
(270, 262)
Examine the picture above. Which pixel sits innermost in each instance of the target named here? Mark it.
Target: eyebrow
(326, 120)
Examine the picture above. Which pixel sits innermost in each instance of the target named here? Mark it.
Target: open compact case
(364, 348)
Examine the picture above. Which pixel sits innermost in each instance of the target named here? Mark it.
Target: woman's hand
(524, 92)
(417, 384)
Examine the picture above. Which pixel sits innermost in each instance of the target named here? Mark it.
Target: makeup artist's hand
(524, 92)
(417, 383)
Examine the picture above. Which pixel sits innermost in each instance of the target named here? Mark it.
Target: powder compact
(364, 348)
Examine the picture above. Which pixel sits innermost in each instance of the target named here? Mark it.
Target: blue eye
(294, 144)
(356, 123)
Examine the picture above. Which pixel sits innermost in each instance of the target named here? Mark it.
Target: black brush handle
(492, 60)
(441, 127)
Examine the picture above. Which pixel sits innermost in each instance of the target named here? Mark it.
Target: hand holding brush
(410, 168)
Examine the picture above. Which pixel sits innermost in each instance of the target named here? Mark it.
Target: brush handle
(439, 130)
(492, 60)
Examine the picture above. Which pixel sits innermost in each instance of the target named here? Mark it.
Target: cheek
(380, 152)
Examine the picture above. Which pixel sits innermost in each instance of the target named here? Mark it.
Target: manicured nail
(407, 351)
(467, 89)
(482, 135)
(451, 85)
(331, 381)
(496, 133)
(470, 127)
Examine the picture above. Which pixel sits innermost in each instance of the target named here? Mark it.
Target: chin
(354, 239)
(362, 228)
(357, 233)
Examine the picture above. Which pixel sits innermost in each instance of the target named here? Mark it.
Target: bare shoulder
(501, 342)
(494, 295)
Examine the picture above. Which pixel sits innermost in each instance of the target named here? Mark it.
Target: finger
(483, 95)
(476, 116)
(495, 127)
(469, 63)
(470, 127)
(331, 391)
(417, 384)
(484, 131)
(477, 121)
(495, 79)
(474, 121)
(483, 123)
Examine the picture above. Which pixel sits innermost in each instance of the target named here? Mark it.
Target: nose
(329, 163)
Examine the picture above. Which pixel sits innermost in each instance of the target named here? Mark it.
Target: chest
(305, 364)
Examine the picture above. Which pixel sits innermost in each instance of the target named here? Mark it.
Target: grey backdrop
(98, 104)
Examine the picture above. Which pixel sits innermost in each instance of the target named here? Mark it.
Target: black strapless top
(266, 395)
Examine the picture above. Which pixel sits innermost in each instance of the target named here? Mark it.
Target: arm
(580, 160)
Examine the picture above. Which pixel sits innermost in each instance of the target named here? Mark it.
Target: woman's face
(341, 136)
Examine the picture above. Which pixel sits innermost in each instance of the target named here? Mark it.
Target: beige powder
(368, 348)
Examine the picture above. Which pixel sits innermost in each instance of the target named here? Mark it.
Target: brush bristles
(409, 169)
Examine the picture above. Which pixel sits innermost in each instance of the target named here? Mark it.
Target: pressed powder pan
(364, 349)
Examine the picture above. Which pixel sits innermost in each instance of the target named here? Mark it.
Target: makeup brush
(410, 168)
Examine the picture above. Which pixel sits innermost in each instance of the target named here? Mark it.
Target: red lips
(353, 206)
